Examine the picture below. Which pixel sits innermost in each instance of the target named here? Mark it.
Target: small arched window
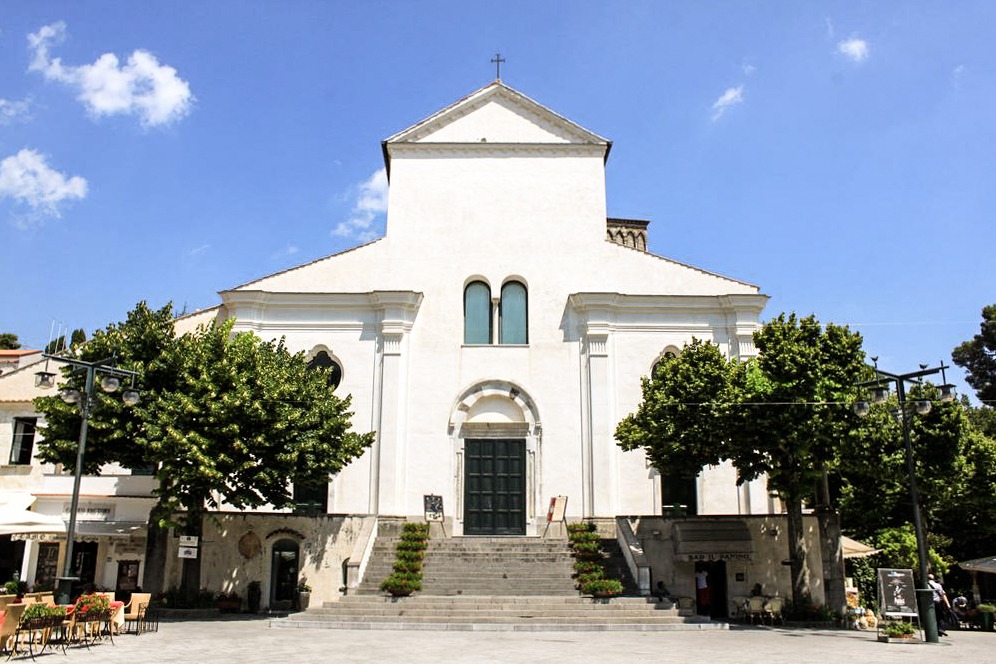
(477, 313)
(324, 361)
(665, 357)
(514, 314)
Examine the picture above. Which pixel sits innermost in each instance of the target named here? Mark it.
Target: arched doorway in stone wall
(495, 432)
(285, 564)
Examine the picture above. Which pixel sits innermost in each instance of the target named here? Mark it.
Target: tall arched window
(477, 313)
(514, 314)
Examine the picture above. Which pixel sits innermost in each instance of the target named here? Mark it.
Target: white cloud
(829, 24)
(854, 48)
(371, 201)
(14, 111)
(197, 251)
(141, 86)
(956, 75)
(748, 68)
(28, 180)
(729, 98)
(286, 252)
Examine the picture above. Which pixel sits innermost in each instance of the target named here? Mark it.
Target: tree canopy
(9, 341)
(978, 357)
(779, 414)
(222, 417)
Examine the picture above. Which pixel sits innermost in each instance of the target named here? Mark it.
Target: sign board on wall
(188, 540)
(896, 592)
(187, 552)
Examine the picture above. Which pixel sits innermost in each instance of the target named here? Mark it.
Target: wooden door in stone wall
(495, 487)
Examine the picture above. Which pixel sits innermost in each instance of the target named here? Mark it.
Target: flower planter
(896, 639)
(229, 605)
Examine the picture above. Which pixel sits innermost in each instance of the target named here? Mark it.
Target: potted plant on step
(406, 576)
(303, 595)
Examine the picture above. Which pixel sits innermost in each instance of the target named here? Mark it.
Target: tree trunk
(797, 547)
(154, 574)
(833, 559)
(190, 583)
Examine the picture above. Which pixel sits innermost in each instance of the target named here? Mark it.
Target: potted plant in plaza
(897, 632)
(228, 602)
(303, 595)
(253, 594)
(985, 613)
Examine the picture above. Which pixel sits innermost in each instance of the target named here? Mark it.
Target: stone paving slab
(252, 642)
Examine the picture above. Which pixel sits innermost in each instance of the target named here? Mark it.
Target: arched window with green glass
(477, 313)
(514, 314)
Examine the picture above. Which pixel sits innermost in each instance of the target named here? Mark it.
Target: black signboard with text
(896, 592)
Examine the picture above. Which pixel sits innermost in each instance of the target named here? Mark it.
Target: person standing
(702, 591)
(941, 604)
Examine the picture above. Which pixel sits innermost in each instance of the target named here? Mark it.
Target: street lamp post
(86, 400)
(880, 393)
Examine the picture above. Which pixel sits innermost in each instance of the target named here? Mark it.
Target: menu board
(896, 592)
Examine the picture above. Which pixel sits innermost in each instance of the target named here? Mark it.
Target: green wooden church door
(495, 487)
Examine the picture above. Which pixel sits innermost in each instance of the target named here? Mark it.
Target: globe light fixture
(110, 384)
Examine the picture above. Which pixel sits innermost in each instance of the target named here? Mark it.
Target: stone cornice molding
(604, 313)
(255, 309)
(535, 112)
(468, 150)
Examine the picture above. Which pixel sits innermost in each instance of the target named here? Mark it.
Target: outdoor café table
(117, 616)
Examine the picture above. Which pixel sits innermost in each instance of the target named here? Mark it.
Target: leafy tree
(220, 414)
(978, 357)
(77, 338)
(779, 415)
(8, 341)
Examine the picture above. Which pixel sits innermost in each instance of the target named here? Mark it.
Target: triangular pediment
(497, 114)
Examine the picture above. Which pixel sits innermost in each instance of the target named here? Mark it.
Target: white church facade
(493, 338)
(496, 334)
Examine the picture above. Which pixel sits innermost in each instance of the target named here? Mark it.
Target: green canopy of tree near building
(9, 341)
(787, 414)
(221, 415)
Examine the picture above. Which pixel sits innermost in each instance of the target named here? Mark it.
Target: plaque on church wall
(433, 507)
(187, 552)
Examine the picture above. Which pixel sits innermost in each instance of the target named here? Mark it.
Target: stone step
(489, 600)
(530, 626)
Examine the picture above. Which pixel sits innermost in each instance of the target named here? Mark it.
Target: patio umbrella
(855, 549)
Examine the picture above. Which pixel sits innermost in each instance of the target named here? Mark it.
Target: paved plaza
(254, 642)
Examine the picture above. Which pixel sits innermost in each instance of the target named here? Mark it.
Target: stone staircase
(489, 584)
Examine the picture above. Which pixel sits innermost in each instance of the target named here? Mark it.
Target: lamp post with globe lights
(110, 381)
(879, 388)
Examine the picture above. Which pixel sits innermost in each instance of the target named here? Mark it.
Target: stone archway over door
(496, 434)
(495, 486)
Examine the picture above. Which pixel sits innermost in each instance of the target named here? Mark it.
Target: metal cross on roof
(498, 60)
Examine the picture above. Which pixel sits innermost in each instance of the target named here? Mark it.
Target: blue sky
(840, 155)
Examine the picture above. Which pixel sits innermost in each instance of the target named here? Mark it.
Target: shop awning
(15, 521)
(712, 539)
(86, 530)
(855, 549)
(980, 565)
